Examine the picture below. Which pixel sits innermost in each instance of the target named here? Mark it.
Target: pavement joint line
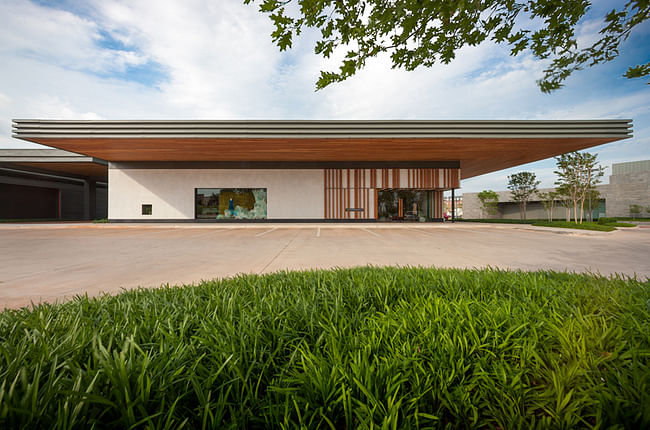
(264, 232)
(275, 257)
(318, 232)
(210, 233)
(420, 230)
(371, 232)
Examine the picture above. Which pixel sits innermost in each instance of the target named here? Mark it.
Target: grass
(641, 219)
(610, 226)
(621, 224)
(570, 224)
(500, 221)
(358, 348)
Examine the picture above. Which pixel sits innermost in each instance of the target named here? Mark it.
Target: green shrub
(622, 224)
(501, 220)
(635, 210)
(613, 222)
(633, 219)
(358, 348)
(570, 224)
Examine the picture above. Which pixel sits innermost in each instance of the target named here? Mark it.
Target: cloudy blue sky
(213, 59)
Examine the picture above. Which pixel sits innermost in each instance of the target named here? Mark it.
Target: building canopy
(477, 147)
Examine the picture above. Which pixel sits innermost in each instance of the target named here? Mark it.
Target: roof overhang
(54, 161)
(479, 146)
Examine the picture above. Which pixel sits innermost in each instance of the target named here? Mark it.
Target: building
(629, 184)
(52, 184)
(304, 170)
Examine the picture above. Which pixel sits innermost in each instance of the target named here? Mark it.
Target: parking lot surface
(58, 261)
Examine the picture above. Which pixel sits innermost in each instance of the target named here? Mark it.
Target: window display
(403, 205)
(231, 203)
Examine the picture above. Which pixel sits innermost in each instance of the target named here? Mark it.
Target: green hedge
(389, 348)
(604, 220)
(502, 221)
(570, 224)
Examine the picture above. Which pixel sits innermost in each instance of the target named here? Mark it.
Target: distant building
(629, 184)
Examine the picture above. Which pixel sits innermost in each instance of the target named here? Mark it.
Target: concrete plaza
(48, 262)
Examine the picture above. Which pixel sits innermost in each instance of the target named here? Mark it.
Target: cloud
(608, 106)
(5, 100)
(217, 56)
(211, 59)
(54, 107)
(59, 37)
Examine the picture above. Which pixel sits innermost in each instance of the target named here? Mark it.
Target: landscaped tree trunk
(549, 201)
(578, 174)
(522, 186)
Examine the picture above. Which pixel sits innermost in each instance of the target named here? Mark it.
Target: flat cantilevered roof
(54, 161)
(478, 146)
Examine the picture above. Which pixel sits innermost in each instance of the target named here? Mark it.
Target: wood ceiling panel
(476, 155)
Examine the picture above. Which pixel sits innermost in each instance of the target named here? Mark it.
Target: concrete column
(90, 197)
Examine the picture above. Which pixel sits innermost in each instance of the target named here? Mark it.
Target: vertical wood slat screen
(438, 210)
(357, 188)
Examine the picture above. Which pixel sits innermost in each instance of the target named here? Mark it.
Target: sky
(214, 59)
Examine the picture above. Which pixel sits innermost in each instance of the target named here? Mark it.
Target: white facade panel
(291, 194)
(404, 177)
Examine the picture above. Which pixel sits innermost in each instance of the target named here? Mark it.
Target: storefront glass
(231, 203)
(403, 205)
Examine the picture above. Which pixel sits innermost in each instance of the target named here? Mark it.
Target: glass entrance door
(403, 205)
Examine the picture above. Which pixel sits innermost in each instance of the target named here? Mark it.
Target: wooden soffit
(476, 156)
(479, 146)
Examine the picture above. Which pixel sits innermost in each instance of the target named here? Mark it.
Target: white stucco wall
(291, 194)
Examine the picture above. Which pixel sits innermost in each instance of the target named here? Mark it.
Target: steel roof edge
(45, 155)
(327, 136)
(306, 121)
(345, 129)
(40, 152)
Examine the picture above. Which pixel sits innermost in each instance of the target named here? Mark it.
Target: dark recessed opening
(146, 210)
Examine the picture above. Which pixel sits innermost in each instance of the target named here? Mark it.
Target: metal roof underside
(45, 156)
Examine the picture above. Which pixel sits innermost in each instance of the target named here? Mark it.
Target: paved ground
(52, 262)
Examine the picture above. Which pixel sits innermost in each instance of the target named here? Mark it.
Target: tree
(592, 203)
(549, 200)
(578, 173)
(522, 186)
(565, 202)
(635, 210)
(418, 33)
(489, 200)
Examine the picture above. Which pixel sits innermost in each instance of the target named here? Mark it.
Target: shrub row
(358, 348)
(571, 224)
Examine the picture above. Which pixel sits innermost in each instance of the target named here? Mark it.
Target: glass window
(403, 205)
(231, 203)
